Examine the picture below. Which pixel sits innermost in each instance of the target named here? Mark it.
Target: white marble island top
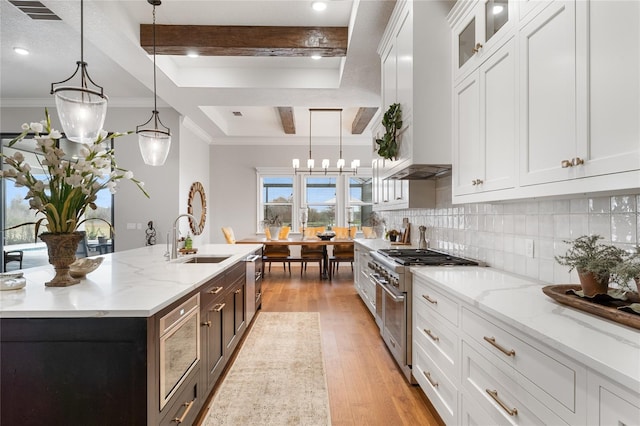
(608, 348)
(131, 283)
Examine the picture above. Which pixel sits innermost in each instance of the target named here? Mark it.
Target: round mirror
(197, 207)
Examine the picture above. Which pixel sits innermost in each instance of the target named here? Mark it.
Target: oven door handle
(395, 297)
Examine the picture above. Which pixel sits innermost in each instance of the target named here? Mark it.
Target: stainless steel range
(389, 270)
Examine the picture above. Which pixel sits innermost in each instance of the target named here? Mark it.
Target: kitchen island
(93, 353)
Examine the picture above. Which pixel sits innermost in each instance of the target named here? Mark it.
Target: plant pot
(393, 238)
(591, 285)
(62, 253)
(275, 232)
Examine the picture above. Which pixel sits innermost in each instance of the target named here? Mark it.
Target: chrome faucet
(174, 247)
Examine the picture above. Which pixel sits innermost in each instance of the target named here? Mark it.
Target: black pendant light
(81, 109)
(154, 142)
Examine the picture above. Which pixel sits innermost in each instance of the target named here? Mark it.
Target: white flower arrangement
(71, 185)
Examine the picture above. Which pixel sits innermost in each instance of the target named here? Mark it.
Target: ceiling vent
(237, 113)
(35, 10)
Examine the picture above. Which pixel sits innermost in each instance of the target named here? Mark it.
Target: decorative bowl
(326, 236)
(12, 281)
(82, 267)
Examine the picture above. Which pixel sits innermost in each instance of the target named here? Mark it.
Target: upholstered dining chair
(312, 253)
(341, 253)
(227, 231)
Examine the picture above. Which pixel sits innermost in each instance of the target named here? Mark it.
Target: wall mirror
(197, 207)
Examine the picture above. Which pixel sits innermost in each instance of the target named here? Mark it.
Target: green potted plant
(392, 122)
(392, 234)
(628, 271)
(594, 261)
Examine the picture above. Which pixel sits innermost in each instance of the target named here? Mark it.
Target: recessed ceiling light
(316, 57)
(192, 54)
(319, 6)
(21, 50)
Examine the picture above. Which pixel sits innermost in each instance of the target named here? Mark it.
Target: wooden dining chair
(341, 253)
(312, 252)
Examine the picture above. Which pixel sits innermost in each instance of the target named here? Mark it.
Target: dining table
(312, 241)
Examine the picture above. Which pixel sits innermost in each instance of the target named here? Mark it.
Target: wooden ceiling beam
(211, 40)
(362, 119)
(286, 117)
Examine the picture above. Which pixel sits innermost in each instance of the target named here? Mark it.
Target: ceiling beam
(362, 119)
(211, 40)
(286, 117)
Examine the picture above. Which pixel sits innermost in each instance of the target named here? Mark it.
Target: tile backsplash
(497, 233)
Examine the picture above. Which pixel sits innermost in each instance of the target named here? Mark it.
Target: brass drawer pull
(238, 291)
(494, 394)
(492, 340)
(566, 164)
(430, 300)
(428, 376)
(218, 307)
(215, 290)
(477, 48)
(188, 406)
(207, 323)
(577, 161)
(430, 334)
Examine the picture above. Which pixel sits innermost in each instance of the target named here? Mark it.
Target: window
(329, 198)
(277, 199)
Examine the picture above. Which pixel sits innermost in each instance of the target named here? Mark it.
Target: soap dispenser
(188, 243)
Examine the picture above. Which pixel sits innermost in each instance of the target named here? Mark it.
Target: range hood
(422, 172)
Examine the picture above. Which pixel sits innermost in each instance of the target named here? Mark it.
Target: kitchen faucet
(174, 247)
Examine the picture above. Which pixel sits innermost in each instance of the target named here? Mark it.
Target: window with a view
(277, 199)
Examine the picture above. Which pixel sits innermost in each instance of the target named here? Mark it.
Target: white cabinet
(363, 284)
(485, 126)
(480, 26)
(611, 404)
(548, 95)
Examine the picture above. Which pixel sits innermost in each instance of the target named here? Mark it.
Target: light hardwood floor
(365, 385)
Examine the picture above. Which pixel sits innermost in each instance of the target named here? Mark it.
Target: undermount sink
(207, 259)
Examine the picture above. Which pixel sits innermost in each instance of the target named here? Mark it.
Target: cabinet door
(610, 42)
(498, 120)
(228, 324)
(389, 72)
(239, 308)
(466, 43)
(548, 95)
(468, 153)
(213, 344)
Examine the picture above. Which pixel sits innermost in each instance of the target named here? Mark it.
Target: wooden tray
(188, 251)
(606, 309)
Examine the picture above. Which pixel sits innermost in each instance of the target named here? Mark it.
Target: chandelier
(154, 142)
(81, 110)
(340, 164)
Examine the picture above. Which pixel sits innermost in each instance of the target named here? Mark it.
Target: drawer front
(436, 300)
(212, 290)
(442, 393)
(615, 410)
(471, 414)
(438, 339)
(555, 378)
(499, 394)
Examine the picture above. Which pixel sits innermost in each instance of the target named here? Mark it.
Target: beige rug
(278, 377)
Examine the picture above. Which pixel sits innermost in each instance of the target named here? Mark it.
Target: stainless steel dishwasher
(254, 278)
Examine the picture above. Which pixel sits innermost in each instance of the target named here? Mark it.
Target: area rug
(278, 377)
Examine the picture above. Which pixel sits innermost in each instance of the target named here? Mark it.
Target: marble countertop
(131, 283)
(608, 348)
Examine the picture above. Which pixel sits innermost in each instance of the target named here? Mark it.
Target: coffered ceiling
(233, 99)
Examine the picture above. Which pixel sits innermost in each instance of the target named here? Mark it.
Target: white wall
(194, 167)
(496, 233)
(233, 193)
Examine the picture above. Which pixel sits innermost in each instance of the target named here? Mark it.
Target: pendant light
(154, 143)
(325, 162)
(81, 109)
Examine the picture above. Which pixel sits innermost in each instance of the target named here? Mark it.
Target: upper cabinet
(555, 93)
(415, 60)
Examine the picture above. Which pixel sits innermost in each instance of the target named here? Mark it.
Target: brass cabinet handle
(492, 340)
(428, 376)
(430, 300)
(494, 394)
(207, 323)
(474, 182)
(577, 161)
(188, 406)
(218, 307)
(430, 334)
(566, 164)
(478, 47)
(238, 290)
(215, 290)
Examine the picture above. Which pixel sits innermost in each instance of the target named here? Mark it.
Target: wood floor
(365, 385)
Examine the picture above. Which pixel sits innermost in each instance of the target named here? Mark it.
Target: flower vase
(62, 253)
(275, 232)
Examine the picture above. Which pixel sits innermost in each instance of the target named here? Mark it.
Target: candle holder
(304, 215)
